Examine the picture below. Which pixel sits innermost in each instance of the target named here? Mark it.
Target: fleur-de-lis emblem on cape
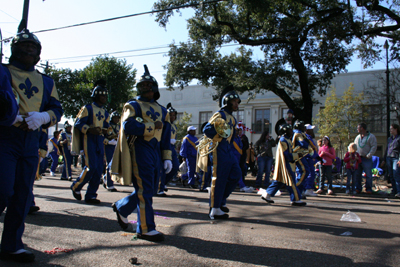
(99, 116)
(28, 88)
(153, 114)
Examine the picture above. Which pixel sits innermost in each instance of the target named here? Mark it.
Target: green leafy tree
(182, 125)
(340, 117)
(75, 86)
(73, 89)
(119, 77)
(373, 19)
(304, 43)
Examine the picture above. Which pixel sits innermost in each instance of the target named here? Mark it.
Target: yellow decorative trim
(166, 154)
(237, 148)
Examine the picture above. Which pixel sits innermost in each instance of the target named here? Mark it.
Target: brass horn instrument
(305, 152)
(207, 145)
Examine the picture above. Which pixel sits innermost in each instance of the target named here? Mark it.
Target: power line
(126, 16)
(9, 16)
(149, 54)
(135, 50)
(118, 52)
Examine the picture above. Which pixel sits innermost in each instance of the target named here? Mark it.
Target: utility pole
(386, 46)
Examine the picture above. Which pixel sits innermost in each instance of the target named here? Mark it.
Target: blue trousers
(43, 165)
(109, 150)
(264, 167)
(191, 164)
(310, 179)
(394, 174)
(351, 175)
(54, 158)
(228, 173)
(67, 158)
(143, 179)
(18, 164)
(165, 178)
(302, 171)
(91, 174)
(205, 179)
(366, 166)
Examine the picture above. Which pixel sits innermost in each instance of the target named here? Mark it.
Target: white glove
(18, 118)
(82, 152)
(112, 142)
(173, 141)
(36, 119)
(167, 166)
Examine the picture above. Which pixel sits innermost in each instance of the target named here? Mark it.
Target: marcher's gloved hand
(36, 119)
(112, 142)
(18, 118)
(167, 166)
(173, 141)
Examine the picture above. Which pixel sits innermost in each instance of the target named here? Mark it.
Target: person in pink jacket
(327, 153)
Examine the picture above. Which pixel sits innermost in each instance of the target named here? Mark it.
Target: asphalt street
(256, 234)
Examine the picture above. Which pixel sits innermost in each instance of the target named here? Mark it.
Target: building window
(262, 120)
(204, 116)
(374, 117)
(179, 116)
(239, 115)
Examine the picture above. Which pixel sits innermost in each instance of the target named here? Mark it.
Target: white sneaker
(347, 192)
(52, 174)
(310, 192)
(278, 193)
(247, 189)
(217, 213)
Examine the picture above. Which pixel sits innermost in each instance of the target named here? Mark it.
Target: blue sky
(140, 32)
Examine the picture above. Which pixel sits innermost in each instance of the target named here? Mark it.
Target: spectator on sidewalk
(327, 153)
(366, 147)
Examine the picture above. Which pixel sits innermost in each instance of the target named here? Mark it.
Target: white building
(266, 109)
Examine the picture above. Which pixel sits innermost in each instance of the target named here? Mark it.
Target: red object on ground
(56, 250)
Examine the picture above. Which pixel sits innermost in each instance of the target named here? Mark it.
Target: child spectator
(352, 159)
(327, 153)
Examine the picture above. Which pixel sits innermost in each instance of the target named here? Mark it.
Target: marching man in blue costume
(91, 124)
(143, 142)
(284, 167)
(226, 171)
(189, 154)
(165, 178)
(65, 143)
(300, 143)
(54, 152)
(311, 159)
(111, 142)
(19, 138)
